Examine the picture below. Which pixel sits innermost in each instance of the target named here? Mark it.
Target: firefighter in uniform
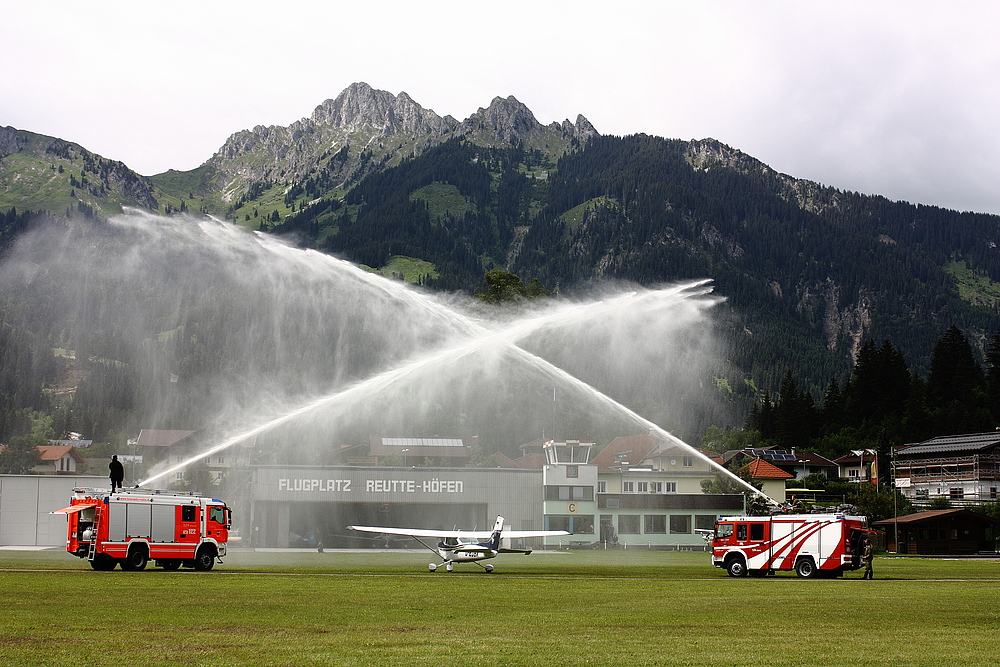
(868, 556)
(116, 473)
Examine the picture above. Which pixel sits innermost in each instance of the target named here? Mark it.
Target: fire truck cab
(814, 545)
(132, 527)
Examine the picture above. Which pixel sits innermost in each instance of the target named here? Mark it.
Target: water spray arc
(476, 337)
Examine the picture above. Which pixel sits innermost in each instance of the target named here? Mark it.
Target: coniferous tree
(954, 375)
(993, 375)
(832, 412)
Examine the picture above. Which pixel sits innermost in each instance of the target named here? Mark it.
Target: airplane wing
(418, 532)
(442, 534)
(514, 534)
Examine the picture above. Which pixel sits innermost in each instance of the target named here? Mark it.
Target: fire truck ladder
(92, 550)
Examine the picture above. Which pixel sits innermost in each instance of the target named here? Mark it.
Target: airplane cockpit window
(450, 542)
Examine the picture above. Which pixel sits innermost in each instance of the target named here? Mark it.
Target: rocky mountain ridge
(364, 129)
(38, 172)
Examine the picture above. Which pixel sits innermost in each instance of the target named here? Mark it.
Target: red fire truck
(132, 527)
(814, 545)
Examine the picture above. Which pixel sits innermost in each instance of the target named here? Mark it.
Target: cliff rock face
(505, 121)
(377, 128)
(361, 108)
(10, 141)
(581, 130)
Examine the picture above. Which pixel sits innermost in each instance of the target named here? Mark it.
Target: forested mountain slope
(809, 273)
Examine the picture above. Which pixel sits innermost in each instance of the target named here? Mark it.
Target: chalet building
(951, 531)
(799, 464)
(57, 460)
(962, 468)
(861, 465)
(771, 477)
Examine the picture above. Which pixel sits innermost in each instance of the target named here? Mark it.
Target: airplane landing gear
(432, 567)
(450, 567)
(488, 568)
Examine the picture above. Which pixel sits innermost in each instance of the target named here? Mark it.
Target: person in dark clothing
(868, 557)
(117, 473)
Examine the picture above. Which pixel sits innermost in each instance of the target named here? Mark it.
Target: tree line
(883, 403)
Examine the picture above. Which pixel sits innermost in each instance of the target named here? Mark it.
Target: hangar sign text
(345, 486)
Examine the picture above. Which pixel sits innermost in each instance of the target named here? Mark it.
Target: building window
(654, 523)
(956, 494)
(704, 521)
(922, 493)
(628, 524)
(852, 472)
(642, 487)
(670, 487)
(602, 486)
(656, 487)
(557, 523)
(680, 524)
(628, 487)
(569, 493)
(688, 461)
(583, 524)
(222, 459)
(993, 493)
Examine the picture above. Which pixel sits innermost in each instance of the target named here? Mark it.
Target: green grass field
(577, 608)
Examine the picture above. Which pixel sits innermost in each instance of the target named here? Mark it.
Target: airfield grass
(577, 608)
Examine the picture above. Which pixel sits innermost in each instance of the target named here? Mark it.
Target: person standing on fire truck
(117, 473)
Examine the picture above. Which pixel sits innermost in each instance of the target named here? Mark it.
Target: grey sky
(892, 98)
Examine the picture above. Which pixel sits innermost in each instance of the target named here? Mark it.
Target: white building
(639, 490)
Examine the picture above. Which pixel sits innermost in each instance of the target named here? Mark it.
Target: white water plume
(247, 336)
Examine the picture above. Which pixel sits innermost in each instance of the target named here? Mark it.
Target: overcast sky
(893, 98)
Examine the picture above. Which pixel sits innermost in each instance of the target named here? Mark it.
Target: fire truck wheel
(736, 567)
(204, 560)
(136, 560)
(103, 562)
(805, 568)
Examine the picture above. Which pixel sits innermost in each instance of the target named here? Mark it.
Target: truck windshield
(724, 530)
(217, 514)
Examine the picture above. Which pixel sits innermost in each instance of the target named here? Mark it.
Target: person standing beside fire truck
(868, 556)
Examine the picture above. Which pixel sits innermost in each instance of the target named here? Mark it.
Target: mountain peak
(507, 120)
(360, 107)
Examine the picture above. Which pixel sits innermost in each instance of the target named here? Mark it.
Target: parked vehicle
(814, 545)
(130, 528)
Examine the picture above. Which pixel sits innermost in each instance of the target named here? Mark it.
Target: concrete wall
(26, 502)
(289, 501)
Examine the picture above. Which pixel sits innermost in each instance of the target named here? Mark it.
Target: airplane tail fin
(495, 537)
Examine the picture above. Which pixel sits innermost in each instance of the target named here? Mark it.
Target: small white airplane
(457, 546)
